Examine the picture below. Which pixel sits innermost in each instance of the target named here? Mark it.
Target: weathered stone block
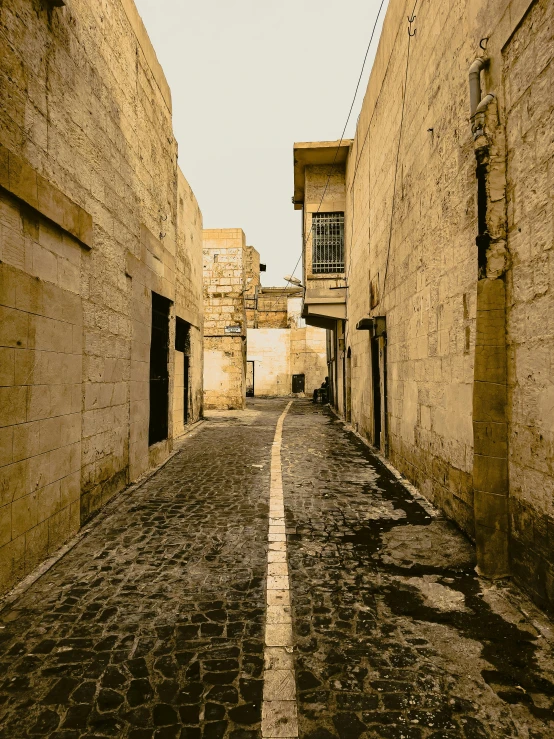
(490, 439)
(23, 180)
(6, 445)
(36, 545)
(5, 526)
(491, 511)
(48, 501)
(489, 402)
(490, 364)
(7, 366)
(490, 474)
(492, 552)
(26, 440)
(24, 514)
(4, 167)
(490, 328)
(14, 327)
(13, 482)
(13, 405)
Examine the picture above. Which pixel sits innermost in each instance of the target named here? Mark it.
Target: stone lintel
(24, 182)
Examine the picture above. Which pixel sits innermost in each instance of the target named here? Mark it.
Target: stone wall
(90, 226)
(271, 310)
(279, 353)
(412, 218)
(269, 349)
(417, 265)
(224, 269)
(528, 76)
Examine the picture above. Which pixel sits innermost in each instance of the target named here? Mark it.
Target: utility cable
(306, 239)
(411, 34)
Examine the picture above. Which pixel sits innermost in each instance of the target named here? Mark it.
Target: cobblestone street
(153, 624)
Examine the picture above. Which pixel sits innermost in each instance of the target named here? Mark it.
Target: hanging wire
(306, 239)
(411, 34)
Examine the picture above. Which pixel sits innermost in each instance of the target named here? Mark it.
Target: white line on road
(279, 714)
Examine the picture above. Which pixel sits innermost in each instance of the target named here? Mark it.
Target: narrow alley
(155, 624)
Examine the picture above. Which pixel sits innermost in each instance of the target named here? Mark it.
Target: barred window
(327, 243)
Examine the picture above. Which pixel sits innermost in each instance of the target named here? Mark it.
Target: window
(327, 243)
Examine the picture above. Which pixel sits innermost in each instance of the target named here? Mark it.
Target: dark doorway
(182, 344)
(298, 383)
(348, 386)
(376, 384)
(159, 370)
(249, 379)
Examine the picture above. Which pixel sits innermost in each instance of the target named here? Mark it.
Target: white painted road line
(279, 713)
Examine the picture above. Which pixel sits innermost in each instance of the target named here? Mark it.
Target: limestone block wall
(417, 265)
(308, 355)
(528, 79)
(224, 274)
(41, 327)
(224, 372)
(308, 347)
(411, 228)
(253, 282)
(90, 224)
(189, 299)
(280, 353)
(272, 307)
(269, 349)
(325, 192)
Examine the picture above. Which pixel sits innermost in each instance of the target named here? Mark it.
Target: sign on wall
(232, 329)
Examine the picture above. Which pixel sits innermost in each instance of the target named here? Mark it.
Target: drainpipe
(490, 401)
(478, 118)
(475, 84)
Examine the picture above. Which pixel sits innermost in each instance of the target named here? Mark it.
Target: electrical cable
(305, 240)
(410, 36)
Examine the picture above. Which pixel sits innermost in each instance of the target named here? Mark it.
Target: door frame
(250, 395)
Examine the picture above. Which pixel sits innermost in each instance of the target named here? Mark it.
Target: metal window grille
(327, 243)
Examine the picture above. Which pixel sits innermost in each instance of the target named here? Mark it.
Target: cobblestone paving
(395, 635)
(153, 625)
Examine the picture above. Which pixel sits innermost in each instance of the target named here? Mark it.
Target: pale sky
(249, 78)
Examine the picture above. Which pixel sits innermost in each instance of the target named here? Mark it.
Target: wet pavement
(395, 636)
(153, 624)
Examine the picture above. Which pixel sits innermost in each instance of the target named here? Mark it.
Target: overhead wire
(306, 238)
(411, 34)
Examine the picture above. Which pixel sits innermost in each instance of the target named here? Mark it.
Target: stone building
(429, 259)
(226, 260)
(100, 270)
(284, 355)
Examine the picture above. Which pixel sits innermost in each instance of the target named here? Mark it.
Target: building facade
(284, 355)
(100, 271)
(226, 259)
(438, 294)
